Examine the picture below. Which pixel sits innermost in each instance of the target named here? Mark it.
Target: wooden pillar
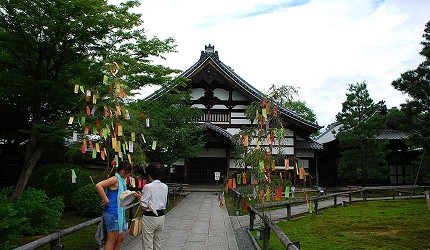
(251, 218)
(335, 201)
(288, 211)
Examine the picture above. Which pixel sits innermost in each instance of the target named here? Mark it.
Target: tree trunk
(32, 155)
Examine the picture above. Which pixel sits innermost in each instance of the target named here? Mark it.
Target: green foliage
(416, 84)
(10, 224)
(46, 47)
(172, 125)
(40, 212)
(363, 156)
(87, 201)
(55, 180)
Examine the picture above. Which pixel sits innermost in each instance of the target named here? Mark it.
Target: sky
(319, 46)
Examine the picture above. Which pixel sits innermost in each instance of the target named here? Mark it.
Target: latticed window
(216, 117)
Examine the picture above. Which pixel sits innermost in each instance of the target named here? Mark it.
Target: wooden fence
(364, 195)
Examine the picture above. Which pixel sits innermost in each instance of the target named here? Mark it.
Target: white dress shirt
(156, 192)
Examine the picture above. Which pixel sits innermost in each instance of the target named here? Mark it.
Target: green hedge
(87, 201)
(32, 213)
(55, 180)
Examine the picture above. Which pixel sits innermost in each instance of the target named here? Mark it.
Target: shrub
(87, 201)
(41, 213)
(10, 224)
(55, 180)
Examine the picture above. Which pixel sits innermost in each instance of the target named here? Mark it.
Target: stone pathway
(195, 223)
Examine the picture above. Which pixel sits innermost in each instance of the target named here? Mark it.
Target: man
(153, 198)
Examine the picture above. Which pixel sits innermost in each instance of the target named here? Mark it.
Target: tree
(172, 124)
(416, 84)
(363, 156)
(46, 47)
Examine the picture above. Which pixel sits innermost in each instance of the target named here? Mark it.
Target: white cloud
(320, 46)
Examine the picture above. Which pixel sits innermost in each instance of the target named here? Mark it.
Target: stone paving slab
(196, 223)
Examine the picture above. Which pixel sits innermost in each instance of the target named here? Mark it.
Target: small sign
(217, 175)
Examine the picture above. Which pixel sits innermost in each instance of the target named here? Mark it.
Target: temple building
(223, 96)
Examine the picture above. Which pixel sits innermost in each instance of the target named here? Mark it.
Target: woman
(114, 214)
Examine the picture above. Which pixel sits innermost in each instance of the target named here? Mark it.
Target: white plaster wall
(240, 121)
(221, 94)
(197, 93)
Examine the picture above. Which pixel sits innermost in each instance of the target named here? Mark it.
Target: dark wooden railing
(54, 239)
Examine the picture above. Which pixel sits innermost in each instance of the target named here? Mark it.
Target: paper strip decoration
(93, 110)
(88, 95)
(70, 120)
(133, 182)
(133, 136)
(234, 183)
(94, 99)
(74, 176)
(143, 183)
(287, 163)
(130, 146)
(154, 145)
(244, 178)
(239, 179)
(287, 191)
(103, 154)
(273, 165)
(97, 147)
(118, 110)
(264, 113)
(293, 189)
(127, 115)
(105, 80)
(82, 89)
(302, 173)
(230, 183)
(261, 164)
(123, 148)
(139, 183)
(226, 186)
(76, 89)
(244, 205)
(75, 136)
(86, 130)
(143, 138)
(245, 140)
(88, 111)
(94, 153)
(84, 146)
(119, 129)
(147, 122)
(129, 158)
(83, 121)
(116, 160)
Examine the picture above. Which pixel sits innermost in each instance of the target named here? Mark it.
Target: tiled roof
(309, 144)
(255, 93)
(219, 130)
(391, 134)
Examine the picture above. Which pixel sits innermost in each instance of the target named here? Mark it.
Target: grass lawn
(393, 224)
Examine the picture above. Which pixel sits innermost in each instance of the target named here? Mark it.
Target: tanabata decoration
(74, 177)
(226, 186)
(305, 198)
(264, 113)
(143, 183)
(245, 140)
(74, 136)
(76, 89)
(244, 205)
(133, 136)
(243, 178)
(293, 189)
(130, 146)
(70, 120)
(279, 193)
(302, 173)
(230, 183)
(143, 138)
(154, 145)
(287, 191)
(234, 183)
(84, 146)
(94, 154)
(88, 110)
(287, 163)
(147, 122)
(239, 179)
(81, 88)
(311, 207)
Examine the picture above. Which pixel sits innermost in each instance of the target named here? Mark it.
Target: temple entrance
(201, 170)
